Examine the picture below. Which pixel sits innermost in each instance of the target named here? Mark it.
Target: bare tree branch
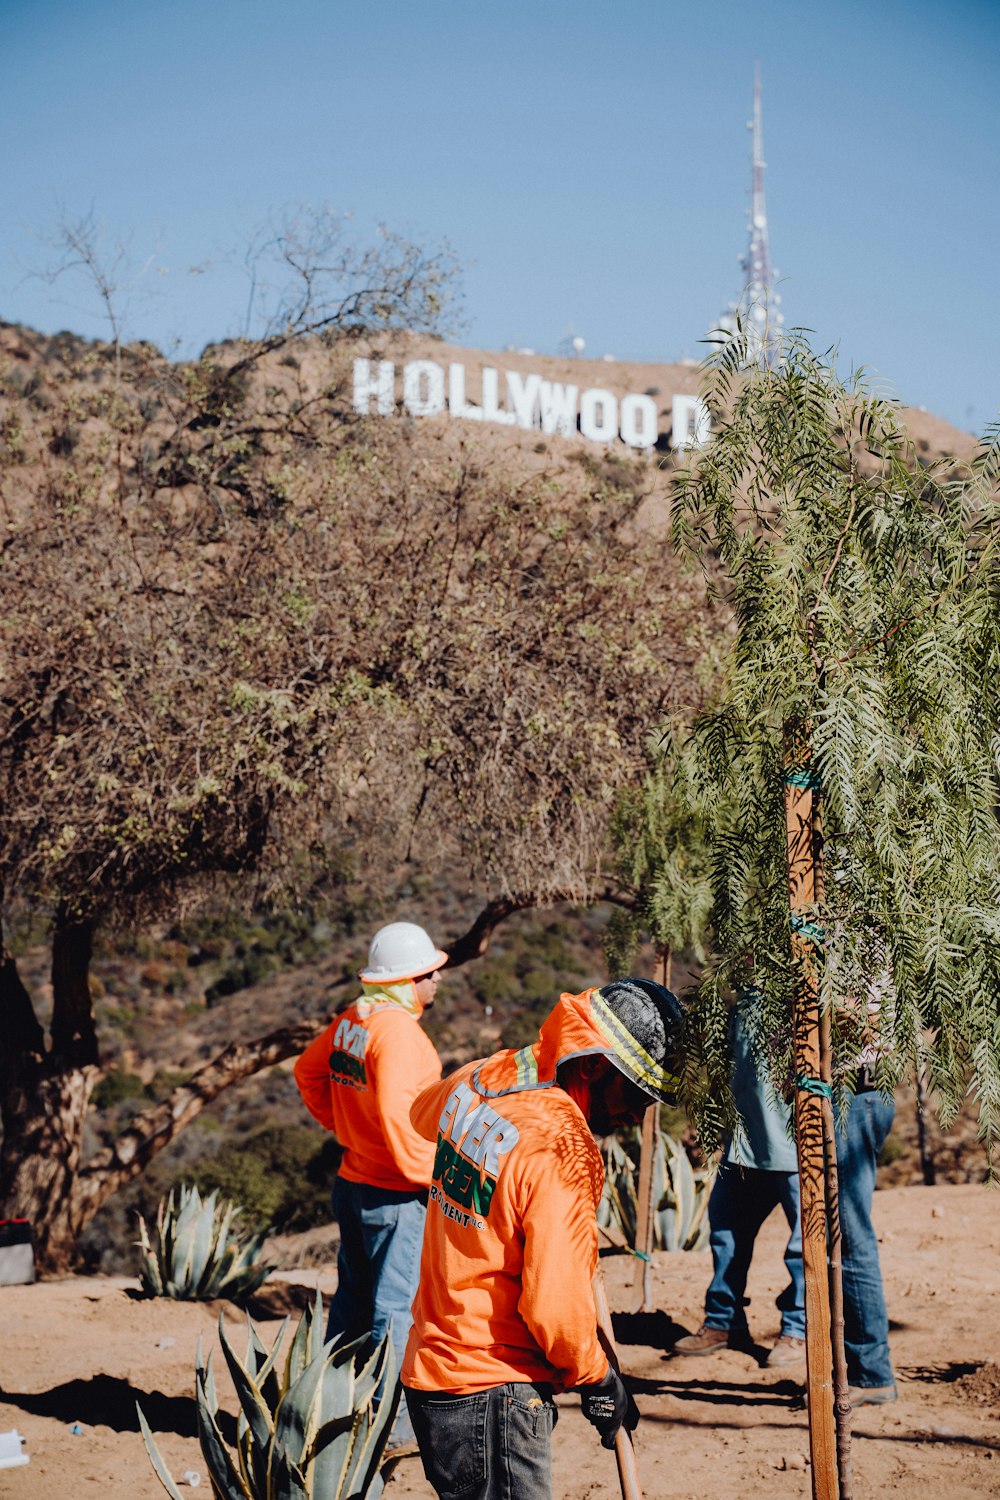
(155, 1128)
(476, 940)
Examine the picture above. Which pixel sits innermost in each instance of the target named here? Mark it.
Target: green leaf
(155, 1459)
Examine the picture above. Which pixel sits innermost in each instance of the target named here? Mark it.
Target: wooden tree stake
(645, 1215)
(800, 830)
(628, 1469)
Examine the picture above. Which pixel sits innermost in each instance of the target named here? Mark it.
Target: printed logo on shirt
(347, 1059)
(472, 1141)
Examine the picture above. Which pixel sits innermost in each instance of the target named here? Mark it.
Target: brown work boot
(871, 1395)
(787, 1351)
(705, 1341)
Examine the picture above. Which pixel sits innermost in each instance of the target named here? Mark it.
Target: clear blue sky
(589, 163)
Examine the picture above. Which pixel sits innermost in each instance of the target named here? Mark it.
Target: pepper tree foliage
(663, 859)
(865, 591)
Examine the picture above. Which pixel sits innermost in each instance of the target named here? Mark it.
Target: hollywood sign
(529, 402)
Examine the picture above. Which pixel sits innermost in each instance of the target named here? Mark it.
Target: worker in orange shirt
(504, 1314)
(359, 1079)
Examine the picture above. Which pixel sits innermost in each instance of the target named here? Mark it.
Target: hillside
(316, 374)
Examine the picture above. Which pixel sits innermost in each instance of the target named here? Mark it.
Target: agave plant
(198, 1250)
(315, 1432)
(680, 1195)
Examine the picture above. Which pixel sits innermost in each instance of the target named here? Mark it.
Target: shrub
(892, 1149)
(317, 1430)
(198, 1251)
(680, 1194)
(116, 1087)
(280, 1176)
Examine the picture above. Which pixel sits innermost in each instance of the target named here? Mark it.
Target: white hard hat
(401, 951)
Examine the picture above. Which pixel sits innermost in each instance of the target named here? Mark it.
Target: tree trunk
(44, 1097)
(927, 1166)
(40, 1163)
(801, 830)
(44, 1094)
(74, 1035)
(842, 1400)
(147, 1134)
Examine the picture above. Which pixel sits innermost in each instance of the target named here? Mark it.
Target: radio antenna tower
(760, 301)
(759, 306)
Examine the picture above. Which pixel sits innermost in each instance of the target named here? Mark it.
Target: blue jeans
(493, 1445)
(866, 1323)
(378, 1267)
(741, 1200)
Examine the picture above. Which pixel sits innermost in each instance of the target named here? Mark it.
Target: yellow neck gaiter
(402, 994)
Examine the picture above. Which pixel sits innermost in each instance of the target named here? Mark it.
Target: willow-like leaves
(865, 589)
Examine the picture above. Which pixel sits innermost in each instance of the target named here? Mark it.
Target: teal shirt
(765, 1142)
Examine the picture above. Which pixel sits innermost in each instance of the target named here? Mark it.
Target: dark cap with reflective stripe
(643, 1023)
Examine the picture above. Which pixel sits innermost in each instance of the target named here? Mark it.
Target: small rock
(796, 1461)
(937, 1212)
(166, 1342)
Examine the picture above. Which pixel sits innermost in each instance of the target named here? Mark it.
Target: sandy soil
(85, 1349)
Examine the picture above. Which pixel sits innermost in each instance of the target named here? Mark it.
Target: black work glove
(609, 1406)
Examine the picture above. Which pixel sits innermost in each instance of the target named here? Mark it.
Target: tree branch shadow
(654, 1330)
(109, 1401)
(788, 1394)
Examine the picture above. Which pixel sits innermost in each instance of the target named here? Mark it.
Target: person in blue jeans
(860, 1138)
(358, 1079)
(381, 1232)
(758, 1171)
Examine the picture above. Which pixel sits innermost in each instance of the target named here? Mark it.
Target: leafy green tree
(846, 778)
(865, 588)
(662, 860)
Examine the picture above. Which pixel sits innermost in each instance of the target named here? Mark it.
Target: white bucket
(11, 1456)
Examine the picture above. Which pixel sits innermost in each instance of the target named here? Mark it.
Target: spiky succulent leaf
(227, 1481)
(149, 1273)
(679, 1194)
(248, 1393)
(378, 1419)
(159, 1467)
(317, 1432)
(262, 1365)
(202, 1241)
(700, 1228)
(306, 1343)
(195, 1254)
(287, 1481)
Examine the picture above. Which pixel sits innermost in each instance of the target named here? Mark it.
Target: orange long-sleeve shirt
(510, 1243)
(359, 1079)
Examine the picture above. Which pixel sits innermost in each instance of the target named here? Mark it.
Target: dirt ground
(84, 1350)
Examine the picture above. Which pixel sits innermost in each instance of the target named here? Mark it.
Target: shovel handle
(628, 1469)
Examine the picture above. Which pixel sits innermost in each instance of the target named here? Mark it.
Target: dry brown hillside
(314, 380)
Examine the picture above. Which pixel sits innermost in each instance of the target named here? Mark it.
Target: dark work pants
(493, 1445)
